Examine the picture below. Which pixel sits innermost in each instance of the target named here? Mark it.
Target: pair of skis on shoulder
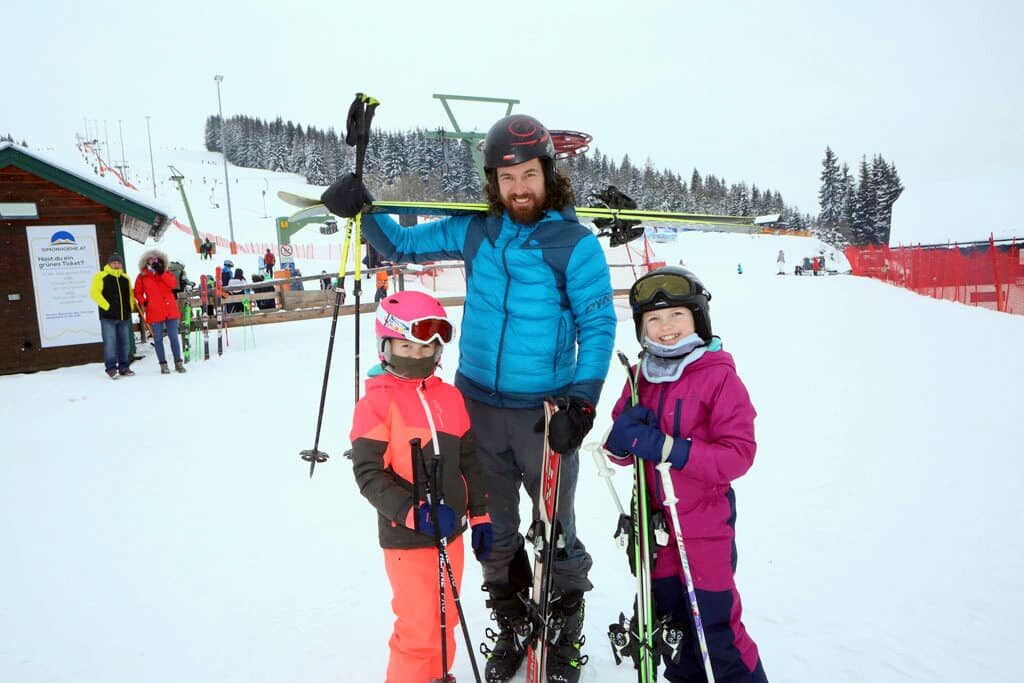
(312, 206)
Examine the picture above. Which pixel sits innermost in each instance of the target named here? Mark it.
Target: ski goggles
(664, 285)
(421, 330)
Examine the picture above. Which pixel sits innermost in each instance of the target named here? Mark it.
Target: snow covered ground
(162, 528)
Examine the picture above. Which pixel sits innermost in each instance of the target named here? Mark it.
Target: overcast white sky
(746, 89)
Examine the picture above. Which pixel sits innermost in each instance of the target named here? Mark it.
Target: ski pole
(670, 501)
(360, 114)
(362, 110)
(622, 530)
(443, 555)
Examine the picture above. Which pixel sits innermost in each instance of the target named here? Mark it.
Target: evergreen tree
(862, 227)
(829, 196)
(849, 195)
(213, 134)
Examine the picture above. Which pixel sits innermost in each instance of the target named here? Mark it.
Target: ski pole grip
(416, 455)
(597, 450)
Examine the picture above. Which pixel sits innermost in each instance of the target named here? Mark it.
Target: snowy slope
(164, 529)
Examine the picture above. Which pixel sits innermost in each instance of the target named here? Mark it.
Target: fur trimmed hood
(150, 253)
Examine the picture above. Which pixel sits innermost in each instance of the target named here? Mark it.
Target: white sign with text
(64, 259)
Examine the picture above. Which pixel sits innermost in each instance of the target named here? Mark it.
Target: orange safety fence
(978, 274)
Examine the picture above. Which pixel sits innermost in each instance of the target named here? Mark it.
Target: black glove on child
(569, 425)
(347, 196)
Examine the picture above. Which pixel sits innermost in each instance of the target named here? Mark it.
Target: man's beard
(525, 215)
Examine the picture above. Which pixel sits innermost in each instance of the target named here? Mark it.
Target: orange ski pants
(416, 639)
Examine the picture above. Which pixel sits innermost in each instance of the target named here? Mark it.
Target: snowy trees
(407, 165)
(859, 211)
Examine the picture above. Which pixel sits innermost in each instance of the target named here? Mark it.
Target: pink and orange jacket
(710, 406)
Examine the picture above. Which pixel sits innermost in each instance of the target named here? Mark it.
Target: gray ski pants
(510, 453)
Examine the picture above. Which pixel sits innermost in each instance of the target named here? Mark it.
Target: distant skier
(781, 261)
(268, 262)
(694, 412)
(405, 400)
(739, 269)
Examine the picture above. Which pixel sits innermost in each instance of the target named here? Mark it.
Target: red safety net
(978, 274)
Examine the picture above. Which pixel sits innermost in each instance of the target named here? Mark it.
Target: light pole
(224, 151)
(124, 162)
(152, 169)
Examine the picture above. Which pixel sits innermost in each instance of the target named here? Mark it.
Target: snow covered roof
(766, 219)
(140, 217)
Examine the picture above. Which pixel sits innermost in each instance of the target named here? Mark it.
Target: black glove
(569, 425)
(347, 196)
(159, 267)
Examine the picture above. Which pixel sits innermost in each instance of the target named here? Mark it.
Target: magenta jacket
(710, 406)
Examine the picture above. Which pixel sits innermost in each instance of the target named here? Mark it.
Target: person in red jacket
(268, 262)
(154, 292)
(405, 400)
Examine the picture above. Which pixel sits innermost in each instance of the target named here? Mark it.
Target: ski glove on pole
(569, 425)
(634, 432)
(445, 519)
(483, 539)
(347, 196)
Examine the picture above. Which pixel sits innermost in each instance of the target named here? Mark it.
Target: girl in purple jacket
(695, 414)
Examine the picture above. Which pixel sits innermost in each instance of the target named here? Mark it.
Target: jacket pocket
(559, 345)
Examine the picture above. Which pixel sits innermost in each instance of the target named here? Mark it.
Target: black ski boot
(564, 657)
(506, 655)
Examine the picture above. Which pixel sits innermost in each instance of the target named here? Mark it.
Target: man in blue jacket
(538, 322)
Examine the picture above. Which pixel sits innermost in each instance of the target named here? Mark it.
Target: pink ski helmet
(414, 316)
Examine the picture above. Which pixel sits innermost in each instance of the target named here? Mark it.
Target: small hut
(57, 227)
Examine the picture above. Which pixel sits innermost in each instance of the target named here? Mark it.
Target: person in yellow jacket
(112, 291)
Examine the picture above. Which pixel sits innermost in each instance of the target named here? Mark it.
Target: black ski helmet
(516, 139)
(671, 286)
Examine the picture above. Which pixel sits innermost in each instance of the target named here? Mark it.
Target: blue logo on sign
(62, 237)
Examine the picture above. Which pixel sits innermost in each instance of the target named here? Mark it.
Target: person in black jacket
(112, 291)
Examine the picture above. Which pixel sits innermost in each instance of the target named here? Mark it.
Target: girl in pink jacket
(694, 413)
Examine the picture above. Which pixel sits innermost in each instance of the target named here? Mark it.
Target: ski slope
(164, 529)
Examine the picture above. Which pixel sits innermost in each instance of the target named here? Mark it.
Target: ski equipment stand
(205, 315)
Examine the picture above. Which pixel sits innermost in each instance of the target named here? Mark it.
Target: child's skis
(644, 638)
(186, 329)
(247, 331)
(204, 314)
(545, 538)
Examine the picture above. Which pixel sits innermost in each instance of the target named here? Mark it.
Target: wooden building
(58, 225)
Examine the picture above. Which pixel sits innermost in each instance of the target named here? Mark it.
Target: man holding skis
(538, 323)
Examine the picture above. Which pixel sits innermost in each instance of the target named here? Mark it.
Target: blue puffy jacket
(533, 293)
